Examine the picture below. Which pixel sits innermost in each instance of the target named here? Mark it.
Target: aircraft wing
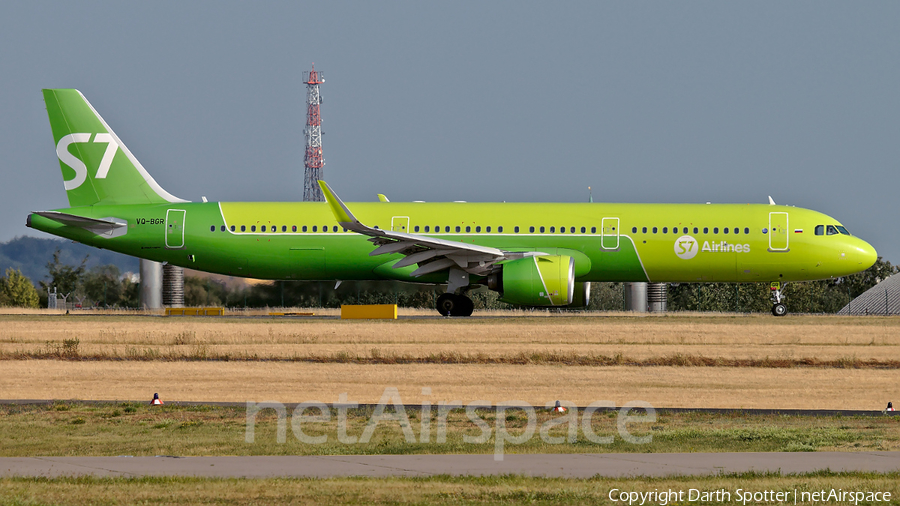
(110, 227)
(429, 253)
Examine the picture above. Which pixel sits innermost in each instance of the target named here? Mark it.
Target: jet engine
(546, 280)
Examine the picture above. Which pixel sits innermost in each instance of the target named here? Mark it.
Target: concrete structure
(657, 297)
(151, 284)
(636, 297)
(172, 286)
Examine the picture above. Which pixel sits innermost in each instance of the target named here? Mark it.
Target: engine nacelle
(582, 295)
(547, 280)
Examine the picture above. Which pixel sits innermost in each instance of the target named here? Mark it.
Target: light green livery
(533, 254)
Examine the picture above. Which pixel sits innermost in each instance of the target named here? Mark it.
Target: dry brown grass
(704, 387)
(596, 340)
(794, 362)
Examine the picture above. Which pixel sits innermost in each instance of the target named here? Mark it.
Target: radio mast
(313, 159)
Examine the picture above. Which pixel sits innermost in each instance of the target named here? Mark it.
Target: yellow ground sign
(369, 311)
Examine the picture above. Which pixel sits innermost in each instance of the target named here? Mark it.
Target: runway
(613, 465)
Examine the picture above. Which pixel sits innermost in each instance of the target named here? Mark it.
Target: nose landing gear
(778, 308)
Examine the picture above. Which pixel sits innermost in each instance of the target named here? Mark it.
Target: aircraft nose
(865, 255)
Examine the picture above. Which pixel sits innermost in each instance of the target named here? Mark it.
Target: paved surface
(551, 465)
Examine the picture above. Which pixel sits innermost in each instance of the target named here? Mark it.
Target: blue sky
(476, 101)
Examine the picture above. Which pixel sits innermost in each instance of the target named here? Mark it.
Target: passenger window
(293, 228)
(223, 228)
(243, 228)
(477, 229)
(447, 228)
(531, 229)
(263, 229)
(831, 230)
(633, 230)
(468, 229)
(304, 228)
(583, 230)
(457, 228)
(665, 230)
(644, 230)
(655, 230)
(334, 228)
(746, 231)
(725, 230)
(212, 228)
(820, 229)
(552, 229)
(737, 230)
(715, 230)
(705, 230)
(253, 228)
(696, 230)
(315, 228)
(593, 230)
(325, 228)
(542, 230)
(515, 229)
(232, 228)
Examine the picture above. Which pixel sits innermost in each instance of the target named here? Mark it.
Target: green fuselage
(609, 242)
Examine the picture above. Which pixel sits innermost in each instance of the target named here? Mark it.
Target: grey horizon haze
(719, 102)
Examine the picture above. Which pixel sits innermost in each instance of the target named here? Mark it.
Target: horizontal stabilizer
(109, 227)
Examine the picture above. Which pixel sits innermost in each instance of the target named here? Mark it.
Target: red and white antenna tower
(313, 159)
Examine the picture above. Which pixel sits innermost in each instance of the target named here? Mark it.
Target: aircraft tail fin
(96, 165)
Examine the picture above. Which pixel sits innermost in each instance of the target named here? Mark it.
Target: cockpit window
(831, 230)
(842, 230)
(820, 229)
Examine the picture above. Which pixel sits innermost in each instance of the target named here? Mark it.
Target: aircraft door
(400, 224)
(175, 228)
(779, 235)
(610, 231)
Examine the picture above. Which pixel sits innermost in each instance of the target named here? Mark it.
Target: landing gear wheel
(779, 309)
(446, 304)
(449, 304)
(466, 306)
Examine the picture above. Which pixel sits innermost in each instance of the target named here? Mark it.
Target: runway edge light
(156, 400)
(559, 408)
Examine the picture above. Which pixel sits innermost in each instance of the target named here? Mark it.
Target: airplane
(538, 255)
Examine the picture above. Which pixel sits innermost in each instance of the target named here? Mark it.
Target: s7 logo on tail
(62, 151)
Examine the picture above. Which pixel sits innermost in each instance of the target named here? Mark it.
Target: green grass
(73, 429)
(432, 490)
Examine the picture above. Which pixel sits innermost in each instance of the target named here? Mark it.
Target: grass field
(434, 490)
(71, 429)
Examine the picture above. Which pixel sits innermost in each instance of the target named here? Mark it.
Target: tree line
(105, 286)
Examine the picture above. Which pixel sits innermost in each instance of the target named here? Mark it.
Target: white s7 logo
(62, 151)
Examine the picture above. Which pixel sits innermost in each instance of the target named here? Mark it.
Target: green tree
(102, 285)
(17, 290)
(66, 278)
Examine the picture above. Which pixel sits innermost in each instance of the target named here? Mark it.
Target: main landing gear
(778, 308)
(450, 304)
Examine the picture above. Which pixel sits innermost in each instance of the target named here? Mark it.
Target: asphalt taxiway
(549, 465)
